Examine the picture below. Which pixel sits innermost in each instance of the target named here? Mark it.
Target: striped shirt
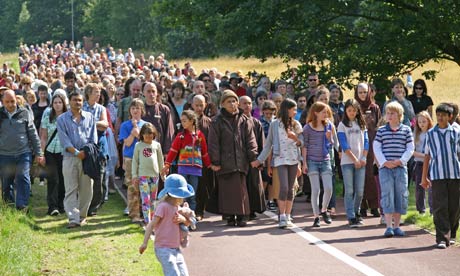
(393, 144)
(443, 147)
(314, 142)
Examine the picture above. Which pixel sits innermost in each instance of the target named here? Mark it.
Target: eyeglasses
(362, 92)
(312, 79)
(418, 88)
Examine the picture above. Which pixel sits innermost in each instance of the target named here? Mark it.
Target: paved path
(263, 249)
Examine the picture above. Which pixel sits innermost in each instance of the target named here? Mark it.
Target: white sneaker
(282, 224)
(382, 220)
(42, 183)
(289, 223)
(126, 211)
(442, 245)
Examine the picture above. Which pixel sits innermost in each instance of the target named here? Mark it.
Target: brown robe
(206, 182)
(232, 146)
(371, 192)
(254, 178)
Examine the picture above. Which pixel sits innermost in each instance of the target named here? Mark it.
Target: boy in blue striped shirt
(442, 146)
(393, 147)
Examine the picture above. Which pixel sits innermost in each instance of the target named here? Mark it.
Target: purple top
(314, 142)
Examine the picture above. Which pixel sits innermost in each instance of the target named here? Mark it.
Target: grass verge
(37, 244)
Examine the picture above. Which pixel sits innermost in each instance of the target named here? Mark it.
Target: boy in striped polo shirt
(442, 146)
(393, 147)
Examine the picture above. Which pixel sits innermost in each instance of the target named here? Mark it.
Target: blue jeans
(16, 169)
(192, 180)
(353, 182)
(317, 169)
(172, 261)
(394, 192)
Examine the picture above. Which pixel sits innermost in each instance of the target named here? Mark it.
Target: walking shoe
(282, 224)
(389, 232)
(363, 213)
(359, 220)
(442, 245)
(327, 219)
(452, 241)
(289, 223)
(72, 225)
(398, 232)
(382, 220)
(353, 223)
(271, 206)
(316, 223)
(55, 212)
(375, 212)
(126, 211)
(231, 221)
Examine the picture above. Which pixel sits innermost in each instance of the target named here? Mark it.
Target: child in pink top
(166, 223)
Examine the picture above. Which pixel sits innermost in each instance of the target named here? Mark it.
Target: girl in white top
(352, 134)
(423, 124)
(285, 139)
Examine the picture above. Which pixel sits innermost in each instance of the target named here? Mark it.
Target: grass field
(37, 244)
(444, 88)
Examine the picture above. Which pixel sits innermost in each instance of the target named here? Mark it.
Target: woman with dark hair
(285, 140)
(420, 99)
(372, 115)
(53, 155)
(260, 98)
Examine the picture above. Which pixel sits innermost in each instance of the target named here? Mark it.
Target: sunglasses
(418, 88)
(207, 80)
(312, 80)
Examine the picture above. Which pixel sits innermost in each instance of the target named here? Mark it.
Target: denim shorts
(319, 167)
(172, 261)
(394, 192)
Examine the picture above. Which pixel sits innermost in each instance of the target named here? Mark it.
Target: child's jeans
(172, 261)
(353, 181)
(148, 187)
(420, 192)
(393, 185)
(192, 180)
(317, 169)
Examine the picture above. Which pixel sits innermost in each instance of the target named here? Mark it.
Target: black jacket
(91, 163)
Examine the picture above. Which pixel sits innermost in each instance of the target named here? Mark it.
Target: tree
(348, 40)
(9, 13)
(51, 20)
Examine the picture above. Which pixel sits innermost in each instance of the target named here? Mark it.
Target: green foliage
(9, 13)
(51, 20)
(347, 41)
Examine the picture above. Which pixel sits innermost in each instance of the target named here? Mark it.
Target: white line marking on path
(341, 256)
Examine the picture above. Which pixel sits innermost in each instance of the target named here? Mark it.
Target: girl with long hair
(284, 141)
(353, 138)
(318, 140)
(53, 154)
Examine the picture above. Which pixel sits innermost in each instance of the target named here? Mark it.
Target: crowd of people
(245, 144)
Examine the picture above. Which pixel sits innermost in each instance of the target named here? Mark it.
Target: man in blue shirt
(75, 129)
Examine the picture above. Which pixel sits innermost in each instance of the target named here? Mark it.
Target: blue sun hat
(176, 186)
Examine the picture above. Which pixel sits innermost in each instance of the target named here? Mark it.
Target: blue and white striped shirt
(395, 144)
(442, 145)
